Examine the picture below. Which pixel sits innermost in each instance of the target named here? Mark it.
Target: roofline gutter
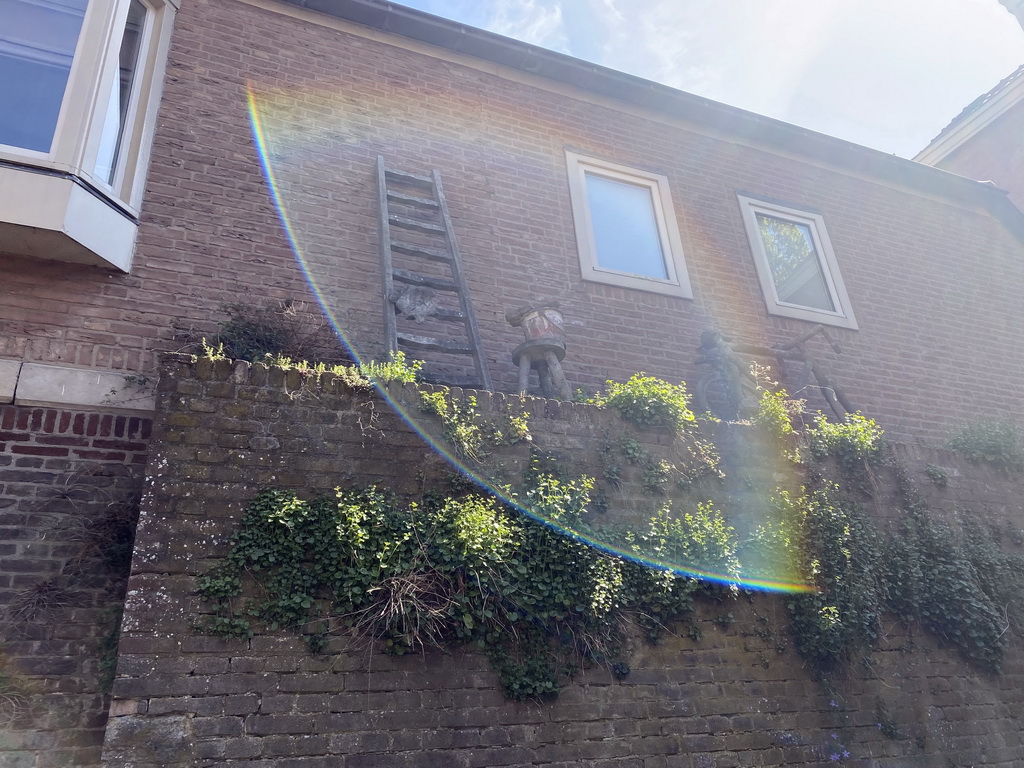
(1001, 99)
(487, 46)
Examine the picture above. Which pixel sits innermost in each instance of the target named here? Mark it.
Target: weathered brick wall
(930, 281)
(933, 283)
(739, 696)
(69, 484)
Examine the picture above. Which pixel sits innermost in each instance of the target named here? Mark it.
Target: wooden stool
(546, 356)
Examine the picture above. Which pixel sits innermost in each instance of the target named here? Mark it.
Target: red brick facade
(932, 269)
(69, 483)
(933, 276)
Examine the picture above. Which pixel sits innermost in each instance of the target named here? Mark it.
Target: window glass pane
(794, 262)
(121, 90)
(37, 44)
(626, 233)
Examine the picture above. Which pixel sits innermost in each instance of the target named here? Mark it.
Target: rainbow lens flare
(297, 153)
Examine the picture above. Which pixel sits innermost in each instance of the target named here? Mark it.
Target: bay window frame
(75, 144)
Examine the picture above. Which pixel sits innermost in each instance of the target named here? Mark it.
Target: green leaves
(854, 441)
(834, 546)
(962, 587)
(472, 436)
(457, 570)
(999, 444)
(648, 401)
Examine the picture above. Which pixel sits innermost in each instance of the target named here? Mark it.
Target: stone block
(9, 370)
(44, 384)
(167, 741)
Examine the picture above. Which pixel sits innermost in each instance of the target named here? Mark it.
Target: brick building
(915, 270)
(172, 160)
(983, 141)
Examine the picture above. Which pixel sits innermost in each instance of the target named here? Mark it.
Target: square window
(795, 263)
(626, 233)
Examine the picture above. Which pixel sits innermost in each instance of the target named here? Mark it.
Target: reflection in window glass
(795, 263)
(626, 234)
(121, 91)
(37, 45)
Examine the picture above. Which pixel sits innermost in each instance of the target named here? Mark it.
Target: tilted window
(626, 232)
(795, 263)
(79, 86)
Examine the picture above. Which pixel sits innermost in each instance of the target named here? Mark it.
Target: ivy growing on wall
(453, 571)
(465, 568)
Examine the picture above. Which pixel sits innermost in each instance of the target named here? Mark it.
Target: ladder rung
(449, 315)
(433, 344)
(422, 226)
(426, 253)
(409, 178)
(453, 315)
(420, 202)
(411, 278)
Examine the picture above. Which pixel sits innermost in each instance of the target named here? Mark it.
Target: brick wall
(932, 282)
(69, 484)
(739, 696)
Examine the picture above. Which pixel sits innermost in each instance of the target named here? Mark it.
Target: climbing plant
(462, 570)
(997, 443)
(648, 401)
(469, 568)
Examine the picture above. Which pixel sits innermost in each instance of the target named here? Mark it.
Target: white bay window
(79, 88)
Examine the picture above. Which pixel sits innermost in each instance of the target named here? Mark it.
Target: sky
(888, 74)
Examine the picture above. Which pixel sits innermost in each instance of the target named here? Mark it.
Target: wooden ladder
(414, 206)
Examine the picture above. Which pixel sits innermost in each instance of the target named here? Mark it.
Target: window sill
(813, 316)
(56, 216)
(637, 283)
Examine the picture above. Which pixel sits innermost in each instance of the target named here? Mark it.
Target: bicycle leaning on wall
(729, 390)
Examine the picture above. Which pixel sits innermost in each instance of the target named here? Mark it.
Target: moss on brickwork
(449, 569)
(727, 682)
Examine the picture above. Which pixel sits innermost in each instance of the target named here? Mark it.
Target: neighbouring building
(173, 158)
(984, 141)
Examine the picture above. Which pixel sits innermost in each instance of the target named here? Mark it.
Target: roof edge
(975, 117)
(487, 46)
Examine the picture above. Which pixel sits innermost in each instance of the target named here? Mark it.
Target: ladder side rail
(390, 322)
(467, 308)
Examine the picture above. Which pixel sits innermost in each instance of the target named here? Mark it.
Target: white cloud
(872, 71)
(538, 22)
(653, 39)
(882, 72)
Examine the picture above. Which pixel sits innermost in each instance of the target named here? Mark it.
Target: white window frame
(677, 283)
(59, 190)
(843, 316)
